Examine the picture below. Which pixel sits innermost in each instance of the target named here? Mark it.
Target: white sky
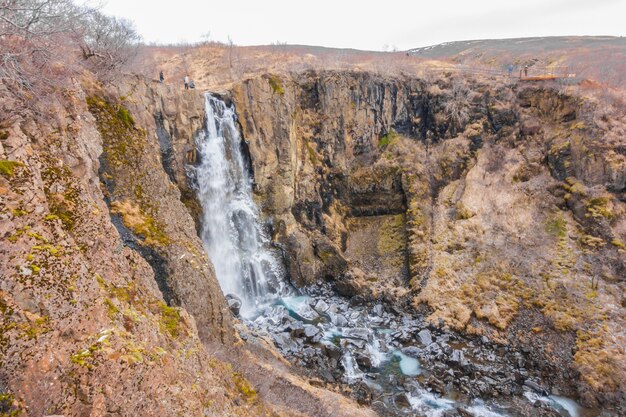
(367, 24)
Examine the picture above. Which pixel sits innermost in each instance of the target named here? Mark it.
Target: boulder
(234, 304)
(425, 337)
(357, 333)
(321, 306)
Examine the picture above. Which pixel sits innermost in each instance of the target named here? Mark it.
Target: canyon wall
(109, 302)
(496, 208)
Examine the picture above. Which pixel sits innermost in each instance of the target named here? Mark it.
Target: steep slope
(109, 302)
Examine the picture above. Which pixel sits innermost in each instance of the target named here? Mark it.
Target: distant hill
(602, 58)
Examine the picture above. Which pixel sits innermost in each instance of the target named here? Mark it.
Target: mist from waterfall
(231, 229)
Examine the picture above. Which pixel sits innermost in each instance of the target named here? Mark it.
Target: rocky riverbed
(395, 362)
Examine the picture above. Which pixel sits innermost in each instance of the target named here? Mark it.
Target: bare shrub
(106, 43)
(457, 104)
(40, 41)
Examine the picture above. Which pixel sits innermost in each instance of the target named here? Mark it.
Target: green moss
(112, 309)
(123, 144)
(63, 205)
(618, 243)
(311, 151)
(388, 139)
(598, 208)
(7, 168)
(85, 357)
(125, 117)
(170, 320)
(6, 405)
(244, 387)
(276, 84)
(39, 326)
(556, 226)
(18, 212)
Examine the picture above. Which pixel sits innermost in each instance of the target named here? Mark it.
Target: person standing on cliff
(186, 82)
(161, 77)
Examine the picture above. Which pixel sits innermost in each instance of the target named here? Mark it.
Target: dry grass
(140, 223)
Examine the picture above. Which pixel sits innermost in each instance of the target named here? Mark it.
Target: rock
(412, 351)
(234, 304)
(349, 343)
(357, 333)
(363, 393)
(338, 320)
(535, 387)
(425, 337)
(457, 357)
(321, 306)
(377, 310)
(437, 385)
(402, 400)
(295, 328)
(363, 360)
(464, 413)
(311, 331)
(305, 312)
(331, 350)
(284, 342)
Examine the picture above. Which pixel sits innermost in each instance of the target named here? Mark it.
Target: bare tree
(44, 42)
(107, 42)
(457, 105)
(29, 31)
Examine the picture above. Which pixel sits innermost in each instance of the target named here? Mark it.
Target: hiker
(510, 70)
(161, 77)
(186, 82)
(525, 70)
(192, 85)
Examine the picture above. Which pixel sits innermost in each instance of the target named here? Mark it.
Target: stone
(234, 304)
(363, 360)
(425, 337)
(295, 328)
(338, 320)
(331, 350)
(402, 400)
(357, 333)
(284, 342)
(377, 310)
(412, 351)
(310, 331)
(321, 306)
(535, 387)
(457, 357)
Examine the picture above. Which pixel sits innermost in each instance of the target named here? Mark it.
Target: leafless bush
(40, 41)
(457, 105)
(106, 42)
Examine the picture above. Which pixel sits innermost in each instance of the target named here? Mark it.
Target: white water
(231, 230)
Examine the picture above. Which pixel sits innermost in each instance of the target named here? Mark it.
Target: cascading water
(231, 232)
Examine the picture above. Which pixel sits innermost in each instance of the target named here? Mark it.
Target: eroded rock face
(84, 328)
(107, 299)
(482, 201)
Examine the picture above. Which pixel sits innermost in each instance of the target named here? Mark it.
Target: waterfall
(231, 230)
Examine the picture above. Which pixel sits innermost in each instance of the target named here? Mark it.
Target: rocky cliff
(496, 208)
(109, 303)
